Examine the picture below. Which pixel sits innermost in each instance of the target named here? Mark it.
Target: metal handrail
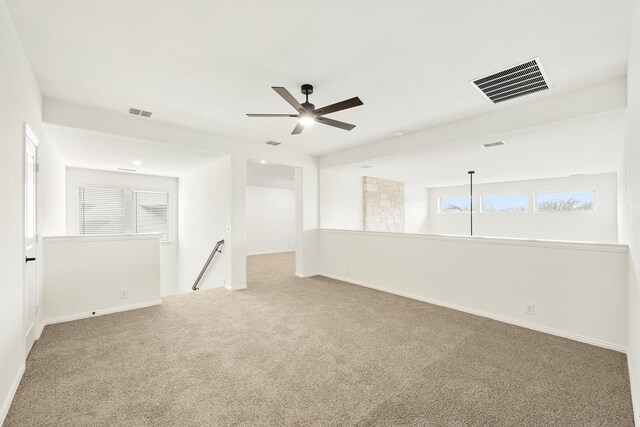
(206, 265)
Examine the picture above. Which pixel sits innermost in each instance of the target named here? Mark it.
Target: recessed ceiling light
(136, 162)
(398, 133)
(365, 166)
(264, 162)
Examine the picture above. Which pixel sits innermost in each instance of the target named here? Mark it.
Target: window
(454, 204)
(565, 201)
(504, 203)
(149, 213)
(101, 210)
(120, 211)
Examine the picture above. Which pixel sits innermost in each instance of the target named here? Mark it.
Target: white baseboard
(40, 329)
(272, 252)
(635, 391)
(6, 404)
(101, 312)
(304, 276)
(533, 326)
(235, 288)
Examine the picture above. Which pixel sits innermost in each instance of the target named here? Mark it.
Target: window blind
(149, 213)
(101, 210)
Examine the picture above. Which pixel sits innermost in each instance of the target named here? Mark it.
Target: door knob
(27, 259)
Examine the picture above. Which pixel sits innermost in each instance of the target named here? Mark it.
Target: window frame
(535, 203)
(526, 208)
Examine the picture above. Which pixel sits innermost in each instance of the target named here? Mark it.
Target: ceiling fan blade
(335, 123)
(298, 129)
(338, 106)
(288, 97)
(272, 115)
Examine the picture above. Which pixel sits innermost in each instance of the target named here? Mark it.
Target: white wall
(270, 219)
(341, 201)
(203, 216)
(307, 211)
(631, 185)
(579, 290)
(89, 177)
(85, 274)
(598, 226)
(416, 209)
(20, 103)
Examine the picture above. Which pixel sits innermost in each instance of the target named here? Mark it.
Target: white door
(30, 237)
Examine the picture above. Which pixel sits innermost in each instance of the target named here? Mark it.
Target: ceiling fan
(308, 114)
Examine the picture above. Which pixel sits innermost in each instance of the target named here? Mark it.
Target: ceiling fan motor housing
(307, 89)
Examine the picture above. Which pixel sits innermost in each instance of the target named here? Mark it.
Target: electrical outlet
(124, 293)
(37, 309)
(530, 308)
(346, 271)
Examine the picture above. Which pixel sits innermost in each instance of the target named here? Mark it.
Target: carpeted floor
(291, 351)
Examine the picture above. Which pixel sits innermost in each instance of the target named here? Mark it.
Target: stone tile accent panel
(383, 205)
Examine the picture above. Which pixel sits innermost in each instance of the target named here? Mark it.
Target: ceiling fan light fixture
(307, 120)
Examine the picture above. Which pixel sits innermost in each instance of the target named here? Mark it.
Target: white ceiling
(589, 145)
(96, 150)
(205, 64)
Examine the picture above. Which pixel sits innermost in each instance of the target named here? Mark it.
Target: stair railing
(216, 249)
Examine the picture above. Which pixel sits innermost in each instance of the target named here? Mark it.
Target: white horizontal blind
(149, 213)
(101, 210)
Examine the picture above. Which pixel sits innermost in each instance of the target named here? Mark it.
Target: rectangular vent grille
(493, 144)
(523, 79)
(274, 143)
(139, 112)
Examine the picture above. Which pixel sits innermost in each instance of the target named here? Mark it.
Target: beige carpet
(291, 351)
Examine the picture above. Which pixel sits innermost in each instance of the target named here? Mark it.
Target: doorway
(30, 237)
(270, 217)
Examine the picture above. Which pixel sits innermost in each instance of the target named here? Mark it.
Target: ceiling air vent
(139, 112)
(513, 82)
(493, 144)
(274, 143)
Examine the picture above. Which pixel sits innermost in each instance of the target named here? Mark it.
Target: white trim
(28, 133)
(481, 313)
(235, 288)
(40, 329)
(272, 252)
(101, 312)
(12, 392)
(304, 276)
(99, 238)
(557, 244)
(635, 397)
